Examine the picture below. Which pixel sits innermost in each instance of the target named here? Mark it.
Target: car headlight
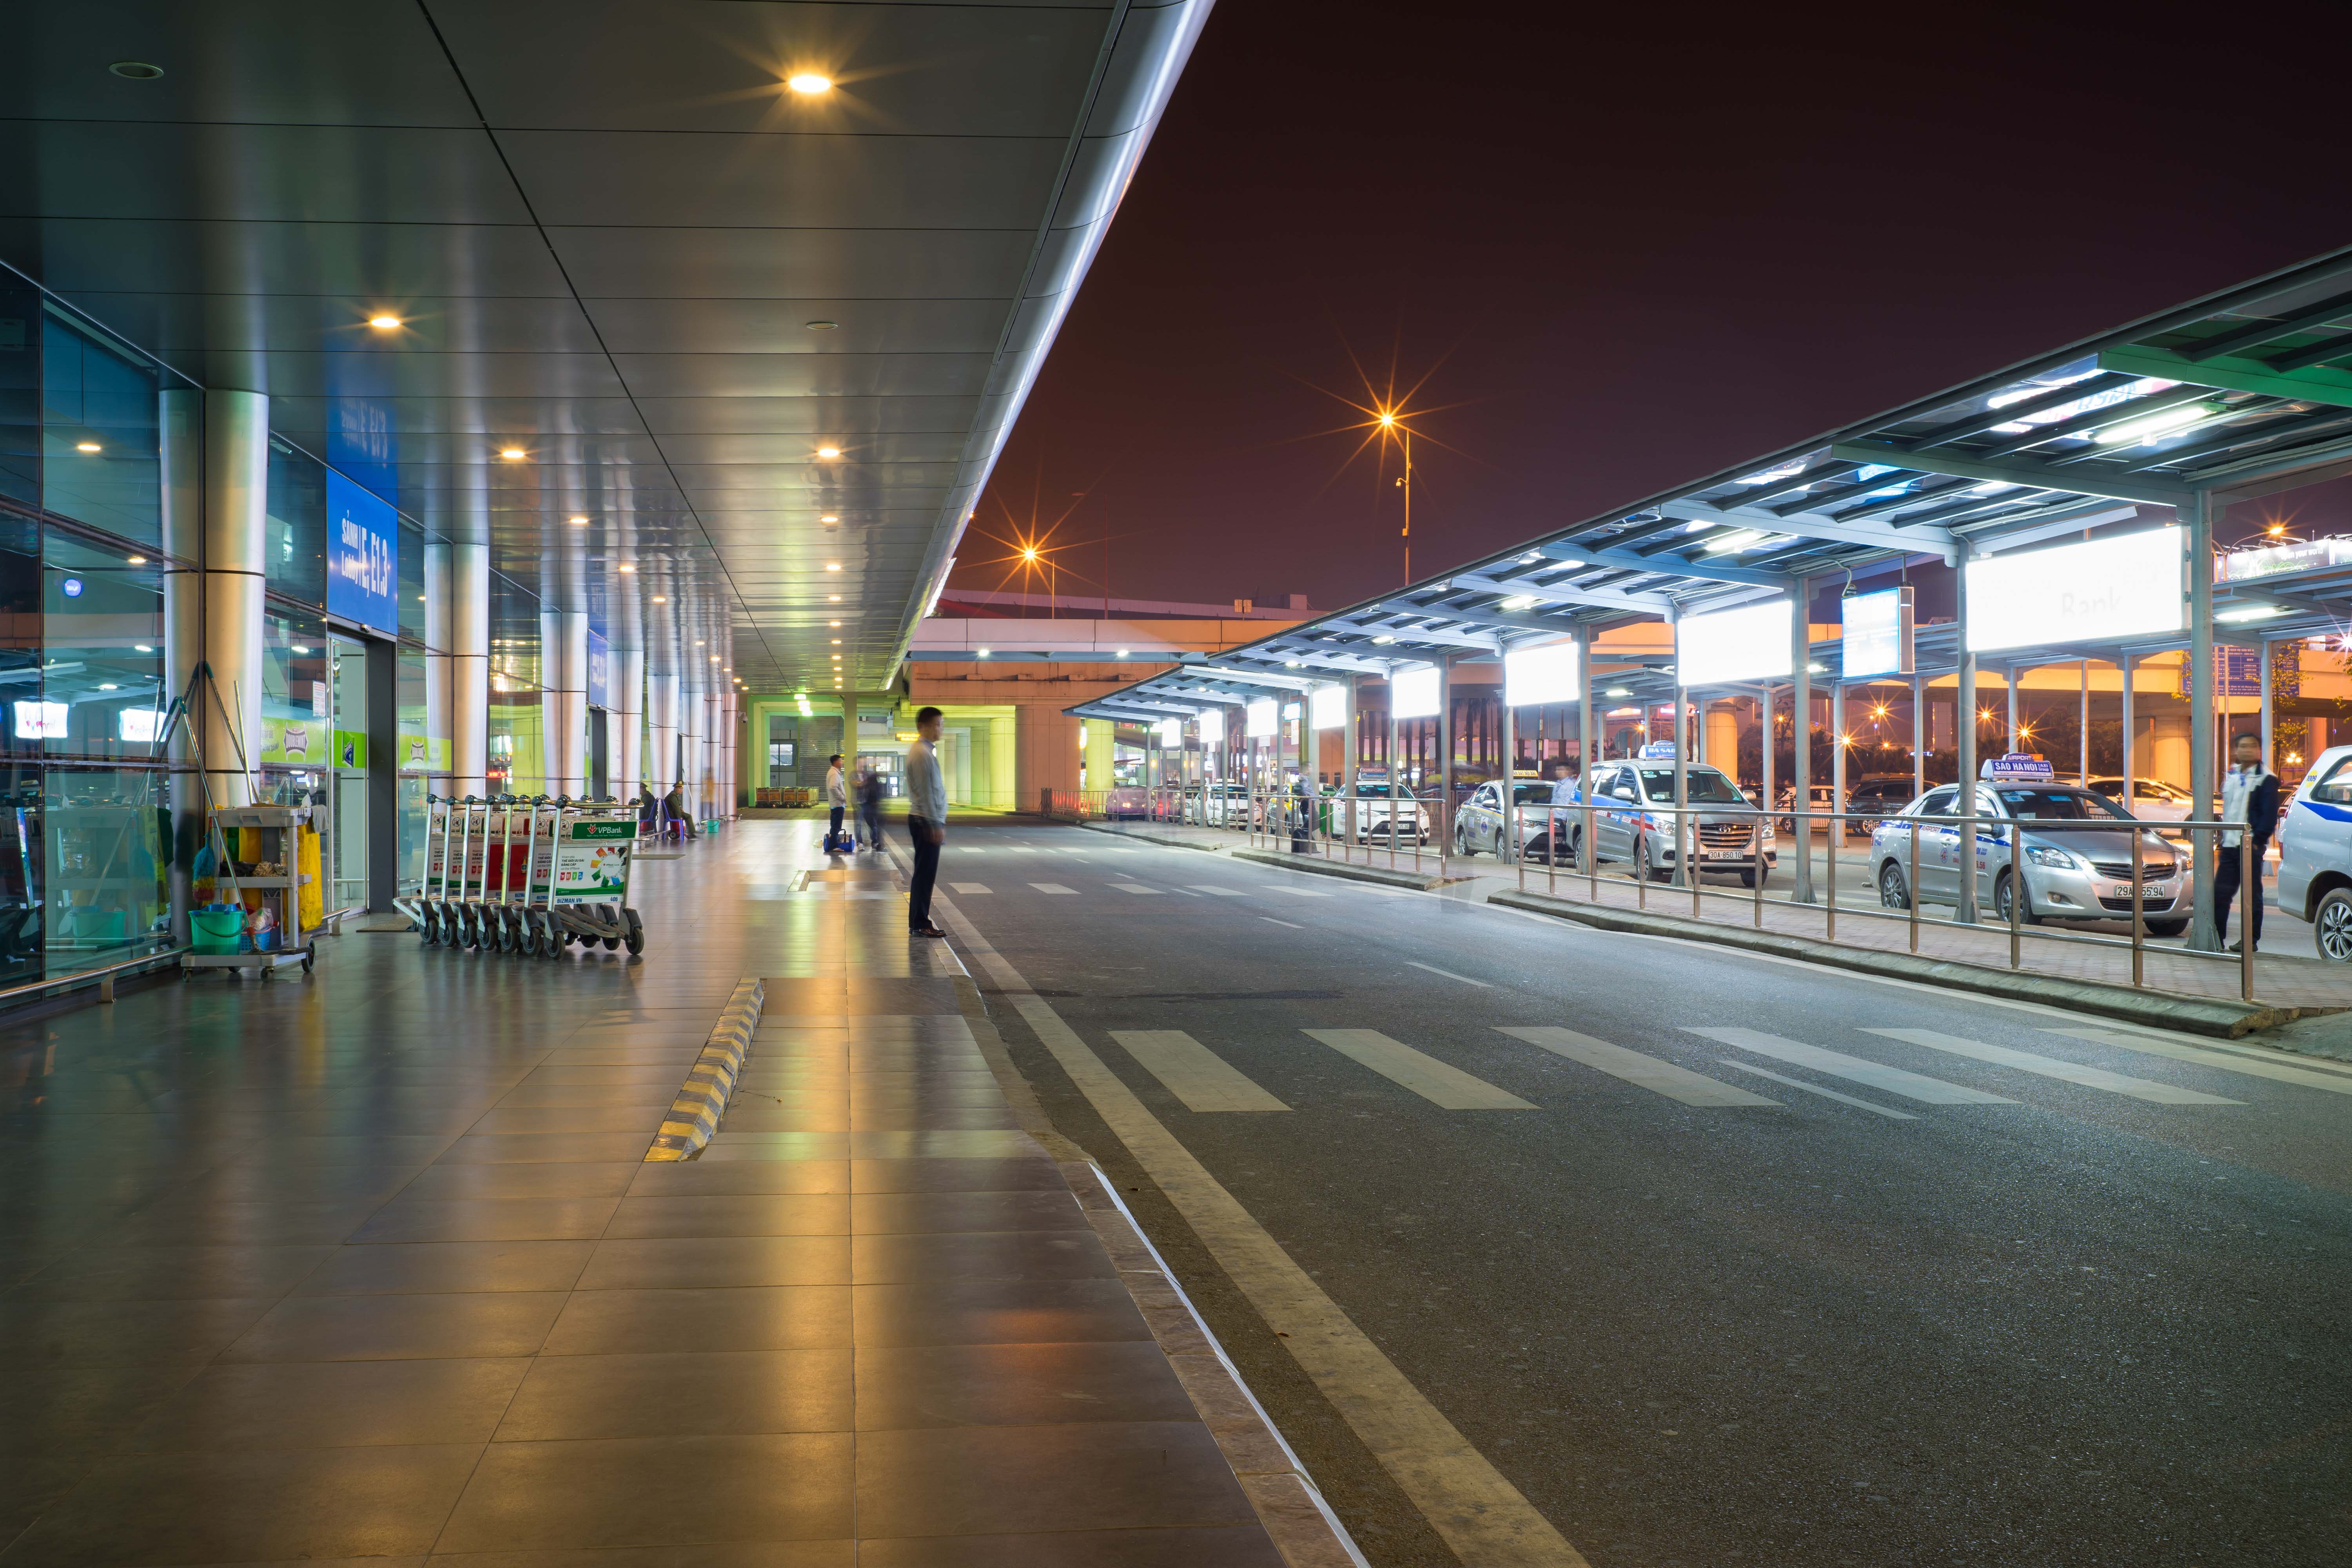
(2058, 859)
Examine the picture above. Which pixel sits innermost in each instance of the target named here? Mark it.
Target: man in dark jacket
(2249, 796)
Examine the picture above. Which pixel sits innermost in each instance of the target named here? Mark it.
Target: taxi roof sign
(1657, 751)
(2017, 765)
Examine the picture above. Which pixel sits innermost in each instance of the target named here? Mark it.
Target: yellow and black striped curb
(694, 1115)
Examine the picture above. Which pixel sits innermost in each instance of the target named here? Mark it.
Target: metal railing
(102, 976)
(1986, 877)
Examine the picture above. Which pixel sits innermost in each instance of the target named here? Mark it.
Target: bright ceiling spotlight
(1520, 601)
(513, 454)
(658, 599)
(820, 326)
(384, 323)
(86, 447)
(832, 565)
(833, 598)
(828, 519)
(136, 560)
(809, 83)
(624, 568)
(2170, 422)
(579, 522)
(828, 451)
(836, 642)
(1617, 691)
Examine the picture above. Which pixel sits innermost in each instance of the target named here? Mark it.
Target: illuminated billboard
(1750, 643)
(1262, 720)
(1533, 676)
(1877, 638)
(1328, 707)
(2131, 585)
(1412, 693)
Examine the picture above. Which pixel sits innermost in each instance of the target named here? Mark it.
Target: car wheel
(2002, 893)
(1892, 893)
(2166, 927)
(1747, 879)
(1461, 844)
(1642, 870)
(2331, 926)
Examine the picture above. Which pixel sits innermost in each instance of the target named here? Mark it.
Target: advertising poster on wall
(363, 556)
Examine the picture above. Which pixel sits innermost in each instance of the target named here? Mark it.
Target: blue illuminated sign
(363, 556)
(600, 672)
(73, 587)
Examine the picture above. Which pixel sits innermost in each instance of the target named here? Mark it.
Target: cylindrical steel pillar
(235, 535)
(1963, 736)
(568, 758)
(1801, 726)
(437, 619)
(2204, 778)
(627, 718)
(661, 733)
(728, 711)
(470, 669)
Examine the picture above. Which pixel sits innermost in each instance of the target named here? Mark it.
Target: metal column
(1918, 736)
(661, 733)
(235, 558)
(568, 758)
(2199, 516)
(181, 460)
(438, 617)
(2264, 720)
(470, 669)
(1963, 736)
(628, 718)
(2008, 678)
(1800, 772)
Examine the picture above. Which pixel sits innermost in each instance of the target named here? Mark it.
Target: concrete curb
(1419, 881)
(2157, 1010)
(701, 1100)
(1152, 839)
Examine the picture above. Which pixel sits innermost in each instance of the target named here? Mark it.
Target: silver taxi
(1734, 835)
(2076, 869)
(1483, 822)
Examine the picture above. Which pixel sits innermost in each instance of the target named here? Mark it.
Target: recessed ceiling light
(143, 648)
(658, 599)
(135, 70)
(107, 686)
(513, 454)
(624, 568)
(136, 560)
(822, 326)
(833, 598)
(578, 521)
(85, 446)
(832, 623)
(809, 83)
(832, 565)
(714, 658)
(384, 323)
(698, 642)
(828, 519)
(828, 451)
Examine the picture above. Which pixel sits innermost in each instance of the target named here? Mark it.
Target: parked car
(1824, 800)
(1378, 816)
(2074, 868)
(1732, 834)
(1482, 824)
(2153, 800)
(1874, 798)
(2314, 875)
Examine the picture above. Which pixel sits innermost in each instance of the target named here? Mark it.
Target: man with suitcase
(836, 797)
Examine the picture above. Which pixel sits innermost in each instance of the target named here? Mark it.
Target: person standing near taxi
(2249, 796)
(926, 820)
(836, 799)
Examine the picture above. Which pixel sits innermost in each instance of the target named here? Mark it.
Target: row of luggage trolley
(526, 876)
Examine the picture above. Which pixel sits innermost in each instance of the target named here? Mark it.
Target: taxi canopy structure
(2237, 396)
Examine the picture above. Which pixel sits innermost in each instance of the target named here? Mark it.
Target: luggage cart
(453, 872)
(580, 859)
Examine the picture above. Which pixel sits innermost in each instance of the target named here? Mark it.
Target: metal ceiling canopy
(615, 240)
(2241, 392)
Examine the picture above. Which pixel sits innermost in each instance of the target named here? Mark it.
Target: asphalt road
(2021, 1319)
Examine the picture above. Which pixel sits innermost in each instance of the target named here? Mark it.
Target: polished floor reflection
(370, 1266)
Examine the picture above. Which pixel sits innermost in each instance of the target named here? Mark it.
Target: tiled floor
(370, 1266)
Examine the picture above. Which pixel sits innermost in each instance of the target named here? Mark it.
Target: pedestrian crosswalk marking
(969, 887)
(1299, 892)
(2227, 1063)
(1447, 973)
(1837, 1064)
(1439, 1083)
(1271, 921)
(1133, 887)
(1220, 893)
(1648, 1072)
(2053, 1067)
(1193, 1073)
(1886, 1111)
(1053, 887)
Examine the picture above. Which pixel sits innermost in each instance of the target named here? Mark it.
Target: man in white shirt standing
(926, 820)
(837, 796)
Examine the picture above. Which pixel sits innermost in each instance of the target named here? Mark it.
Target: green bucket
(217, 931)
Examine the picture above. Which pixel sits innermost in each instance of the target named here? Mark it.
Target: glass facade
(88, 803)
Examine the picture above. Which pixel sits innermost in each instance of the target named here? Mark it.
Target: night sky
(1624, 253)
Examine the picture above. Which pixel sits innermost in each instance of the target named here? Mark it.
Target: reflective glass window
(20, 634)
(100, 439)
(296, 547)
(20, 394)
(412, 581)
(104, 895)
(297, 706)
(102, 678)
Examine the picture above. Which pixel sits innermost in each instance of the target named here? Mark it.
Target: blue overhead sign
(600, 672)
(363, 556)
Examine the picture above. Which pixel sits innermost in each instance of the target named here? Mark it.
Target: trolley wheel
(611, 944)
(508, 941)
(551, 936)
(424, 924)
(306, 962)
(635, 935)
